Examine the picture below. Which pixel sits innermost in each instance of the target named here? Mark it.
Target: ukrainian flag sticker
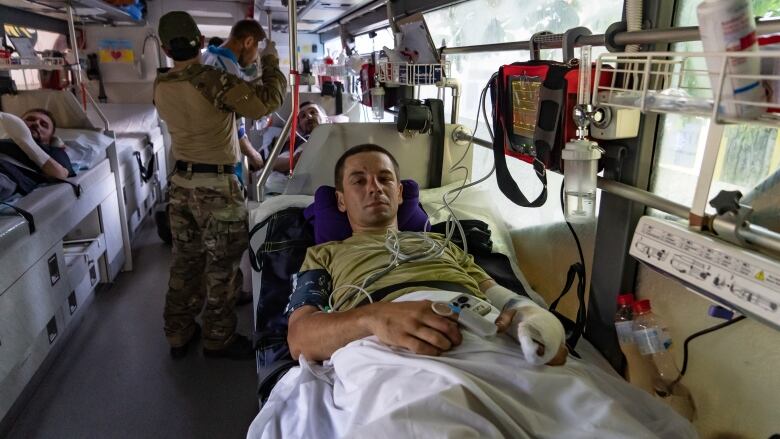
(116, 51)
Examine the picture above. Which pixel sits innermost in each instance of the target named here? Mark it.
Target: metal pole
(269, 163)
(270, 23)
(74, 43)
(292, 29)
(649, 199)
(101, 115)
(651, 36)
(761, 237)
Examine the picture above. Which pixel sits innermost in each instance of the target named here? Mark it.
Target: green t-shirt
(350, 261)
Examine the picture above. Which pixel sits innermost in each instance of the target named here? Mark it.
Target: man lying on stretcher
(368, 189)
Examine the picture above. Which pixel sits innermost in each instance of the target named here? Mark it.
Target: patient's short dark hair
(247, 28)
(366, 147)
(44, 112)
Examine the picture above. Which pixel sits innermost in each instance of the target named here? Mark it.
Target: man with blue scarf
(238, 56)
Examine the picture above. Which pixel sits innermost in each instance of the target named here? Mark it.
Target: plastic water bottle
(639, 370)
(651, 363)
(652, 339)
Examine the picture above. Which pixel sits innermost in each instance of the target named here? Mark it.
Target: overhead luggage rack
(402, 73)
(332, 70)
(46, 63)
(682, 83)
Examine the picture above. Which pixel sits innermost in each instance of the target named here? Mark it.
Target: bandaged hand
(539, 333)
(16, 130)
(270, 49)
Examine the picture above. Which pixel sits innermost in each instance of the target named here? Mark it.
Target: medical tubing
(695, 335)
(449, 231)
(298, 135)
(338, 304)
(571, 228)
(394, 240)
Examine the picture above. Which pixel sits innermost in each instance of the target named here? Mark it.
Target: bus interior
(600, 149)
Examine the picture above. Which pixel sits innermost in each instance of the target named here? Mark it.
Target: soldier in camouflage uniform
(207, 208)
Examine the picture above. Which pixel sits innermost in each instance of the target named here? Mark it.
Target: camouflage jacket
(252, 99)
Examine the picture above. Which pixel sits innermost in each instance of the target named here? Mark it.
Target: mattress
(56, 210)
(91, 139)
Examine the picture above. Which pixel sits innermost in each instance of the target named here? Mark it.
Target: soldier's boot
(240, 348)
(179, 352)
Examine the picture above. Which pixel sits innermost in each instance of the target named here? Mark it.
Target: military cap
(178, 24)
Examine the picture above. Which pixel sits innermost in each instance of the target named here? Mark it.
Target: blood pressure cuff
(312, 287)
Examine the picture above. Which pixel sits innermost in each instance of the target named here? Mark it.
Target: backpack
(287, 238)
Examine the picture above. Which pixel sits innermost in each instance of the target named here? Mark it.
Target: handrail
(754, 235)
(650, 36)
(101, 115)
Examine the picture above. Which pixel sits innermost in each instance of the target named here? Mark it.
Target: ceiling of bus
(88, 11)
(313, 14)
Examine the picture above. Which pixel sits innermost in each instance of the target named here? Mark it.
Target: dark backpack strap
(145, 171)
(381, 293)
(28, 178)
(574, 330)
(24, 214)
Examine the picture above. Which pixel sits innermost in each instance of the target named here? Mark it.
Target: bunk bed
(143, 155)
(138, 138)
(69, 239)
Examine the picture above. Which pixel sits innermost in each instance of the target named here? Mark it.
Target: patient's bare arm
(411, 325)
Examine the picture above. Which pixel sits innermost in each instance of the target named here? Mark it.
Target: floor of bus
(115, 378)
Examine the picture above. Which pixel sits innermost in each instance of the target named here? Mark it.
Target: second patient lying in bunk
(30, 154)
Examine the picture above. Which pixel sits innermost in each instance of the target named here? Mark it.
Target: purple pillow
(332, 225)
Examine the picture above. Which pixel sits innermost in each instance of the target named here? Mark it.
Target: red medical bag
(533, 103)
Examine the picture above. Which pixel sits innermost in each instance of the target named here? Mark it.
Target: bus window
(364, 44)
(488, 21)
(748, 153)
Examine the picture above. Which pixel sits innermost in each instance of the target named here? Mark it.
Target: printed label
(649, 341)
(625, 332)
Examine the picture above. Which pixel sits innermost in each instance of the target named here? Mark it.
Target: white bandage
(16, 130)
(531, 324)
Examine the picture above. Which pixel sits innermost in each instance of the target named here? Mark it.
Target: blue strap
(223, 51)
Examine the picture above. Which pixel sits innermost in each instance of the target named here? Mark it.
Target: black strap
(381, 293)
(253, 260)
(24, 214)
(204, 168)
(339, 98)
(437, 142)
(576, 270)
(146, 171)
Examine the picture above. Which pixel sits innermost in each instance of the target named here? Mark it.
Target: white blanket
(480, 389)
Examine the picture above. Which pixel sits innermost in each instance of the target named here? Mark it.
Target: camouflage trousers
(208, 224)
